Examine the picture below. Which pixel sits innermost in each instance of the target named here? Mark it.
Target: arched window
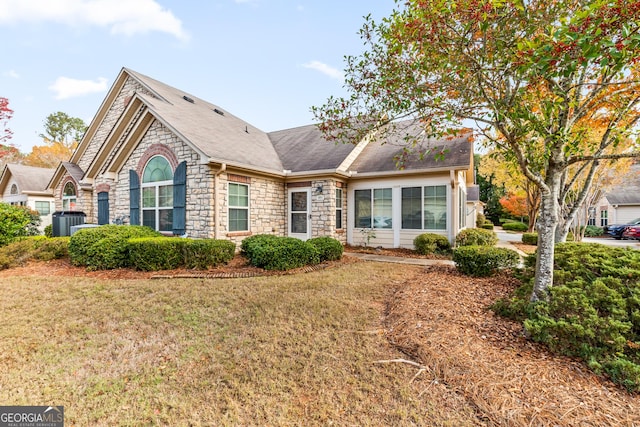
(14, 189)
(69, 197)
(157, 194)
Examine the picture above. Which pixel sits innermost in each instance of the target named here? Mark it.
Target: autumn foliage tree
(515, 204)
(5, 114)
(442, 63)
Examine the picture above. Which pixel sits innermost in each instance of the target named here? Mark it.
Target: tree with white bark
(527, 73)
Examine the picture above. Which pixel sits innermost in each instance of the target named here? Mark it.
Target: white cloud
(334, 73)
(11, 73)
(65, 88)
(120, 16)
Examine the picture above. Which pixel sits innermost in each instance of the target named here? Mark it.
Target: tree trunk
(546, 226)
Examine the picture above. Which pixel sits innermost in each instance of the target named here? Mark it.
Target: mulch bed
(473, 358)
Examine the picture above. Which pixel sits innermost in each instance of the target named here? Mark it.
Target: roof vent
(219, 111)
(186, 98)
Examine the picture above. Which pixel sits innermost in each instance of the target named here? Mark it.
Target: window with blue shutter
(103, 207)
(134, 197)
(180, 199)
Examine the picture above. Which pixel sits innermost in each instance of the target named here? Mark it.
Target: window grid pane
(412, 208)
(435, 207)
(382, 208)
(363, 208)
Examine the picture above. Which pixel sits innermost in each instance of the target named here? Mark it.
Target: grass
(283, 350)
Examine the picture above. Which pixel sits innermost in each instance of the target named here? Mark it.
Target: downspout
(216, 200)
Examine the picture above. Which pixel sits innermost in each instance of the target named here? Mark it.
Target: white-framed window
(339, 202)
(604, 218)
(157, 194)
(69, 197)
(424, 208)
(14, 189)
(373, 208)
(43, 208)
(591, 220)
(238, 207)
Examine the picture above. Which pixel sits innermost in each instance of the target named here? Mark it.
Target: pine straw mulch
(473, 358)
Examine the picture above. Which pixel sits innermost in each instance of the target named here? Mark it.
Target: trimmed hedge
(593, 231)
(515, 226)
(39, 248)
(279, 253)
(328, 248)
(167, 253)
(487, 225)
(476, 237)
(593, 309)
(530, 239)
(105, 247)
(482, 261)
(430, 243)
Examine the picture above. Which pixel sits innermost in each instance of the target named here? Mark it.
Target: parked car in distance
(616, 230)
(631, 232)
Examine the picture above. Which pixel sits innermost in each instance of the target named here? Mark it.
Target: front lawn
(258, 351)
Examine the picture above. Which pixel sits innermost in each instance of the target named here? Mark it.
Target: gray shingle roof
(627, 192)
(30, 178)
(305, 149)
(222, 137)
(378, 157)
(74, 170)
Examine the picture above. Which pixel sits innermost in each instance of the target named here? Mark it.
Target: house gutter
(216, 200)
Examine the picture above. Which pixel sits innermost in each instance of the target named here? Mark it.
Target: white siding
(397, 237)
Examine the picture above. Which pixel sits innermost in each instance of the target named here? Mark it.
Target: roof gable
(28, 178)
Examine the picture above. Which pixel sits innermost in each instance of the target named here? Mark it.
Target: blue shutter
(103, 208)
(134, 197)
(180, 199)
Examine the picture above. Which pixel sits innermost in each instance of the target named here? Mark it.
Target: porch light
(319, 189)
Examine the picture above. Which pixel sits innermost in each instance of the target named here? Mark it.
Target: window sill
(239, 233)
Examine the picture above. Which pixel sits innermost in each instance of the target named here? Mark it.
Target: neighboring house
(26, 186)
(620, 204)
(474, 205)
(160, 157)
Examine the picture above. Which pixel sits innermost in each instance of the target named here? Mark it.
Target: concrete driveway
(512, 236)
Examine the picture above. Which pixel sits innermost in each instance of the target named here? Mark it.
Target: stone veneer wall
(267, 206)
(199, 220)
(109, 121)
(323, 210)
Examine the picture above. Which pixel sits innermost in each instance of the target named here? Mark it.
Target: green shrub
(205, 253)
(105, 247)
(515, 226)
(593, 309)
(38, 248)
(487, 225)
(156, 253)
(48, 230)
(430, 243)
(47, 249)
(167, 253)
(480, 220)
(16, 222)
(328, 248)
(476, 237)
(530, 238)
(250, 244)
(279, 253)
(483, 261)
(593, 231)
(624, 372)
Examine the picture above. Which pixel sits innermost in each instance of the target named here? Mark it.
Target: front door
(299, 213)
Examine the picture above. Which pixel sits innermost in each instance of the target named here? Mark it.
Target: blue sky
(266, 61)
